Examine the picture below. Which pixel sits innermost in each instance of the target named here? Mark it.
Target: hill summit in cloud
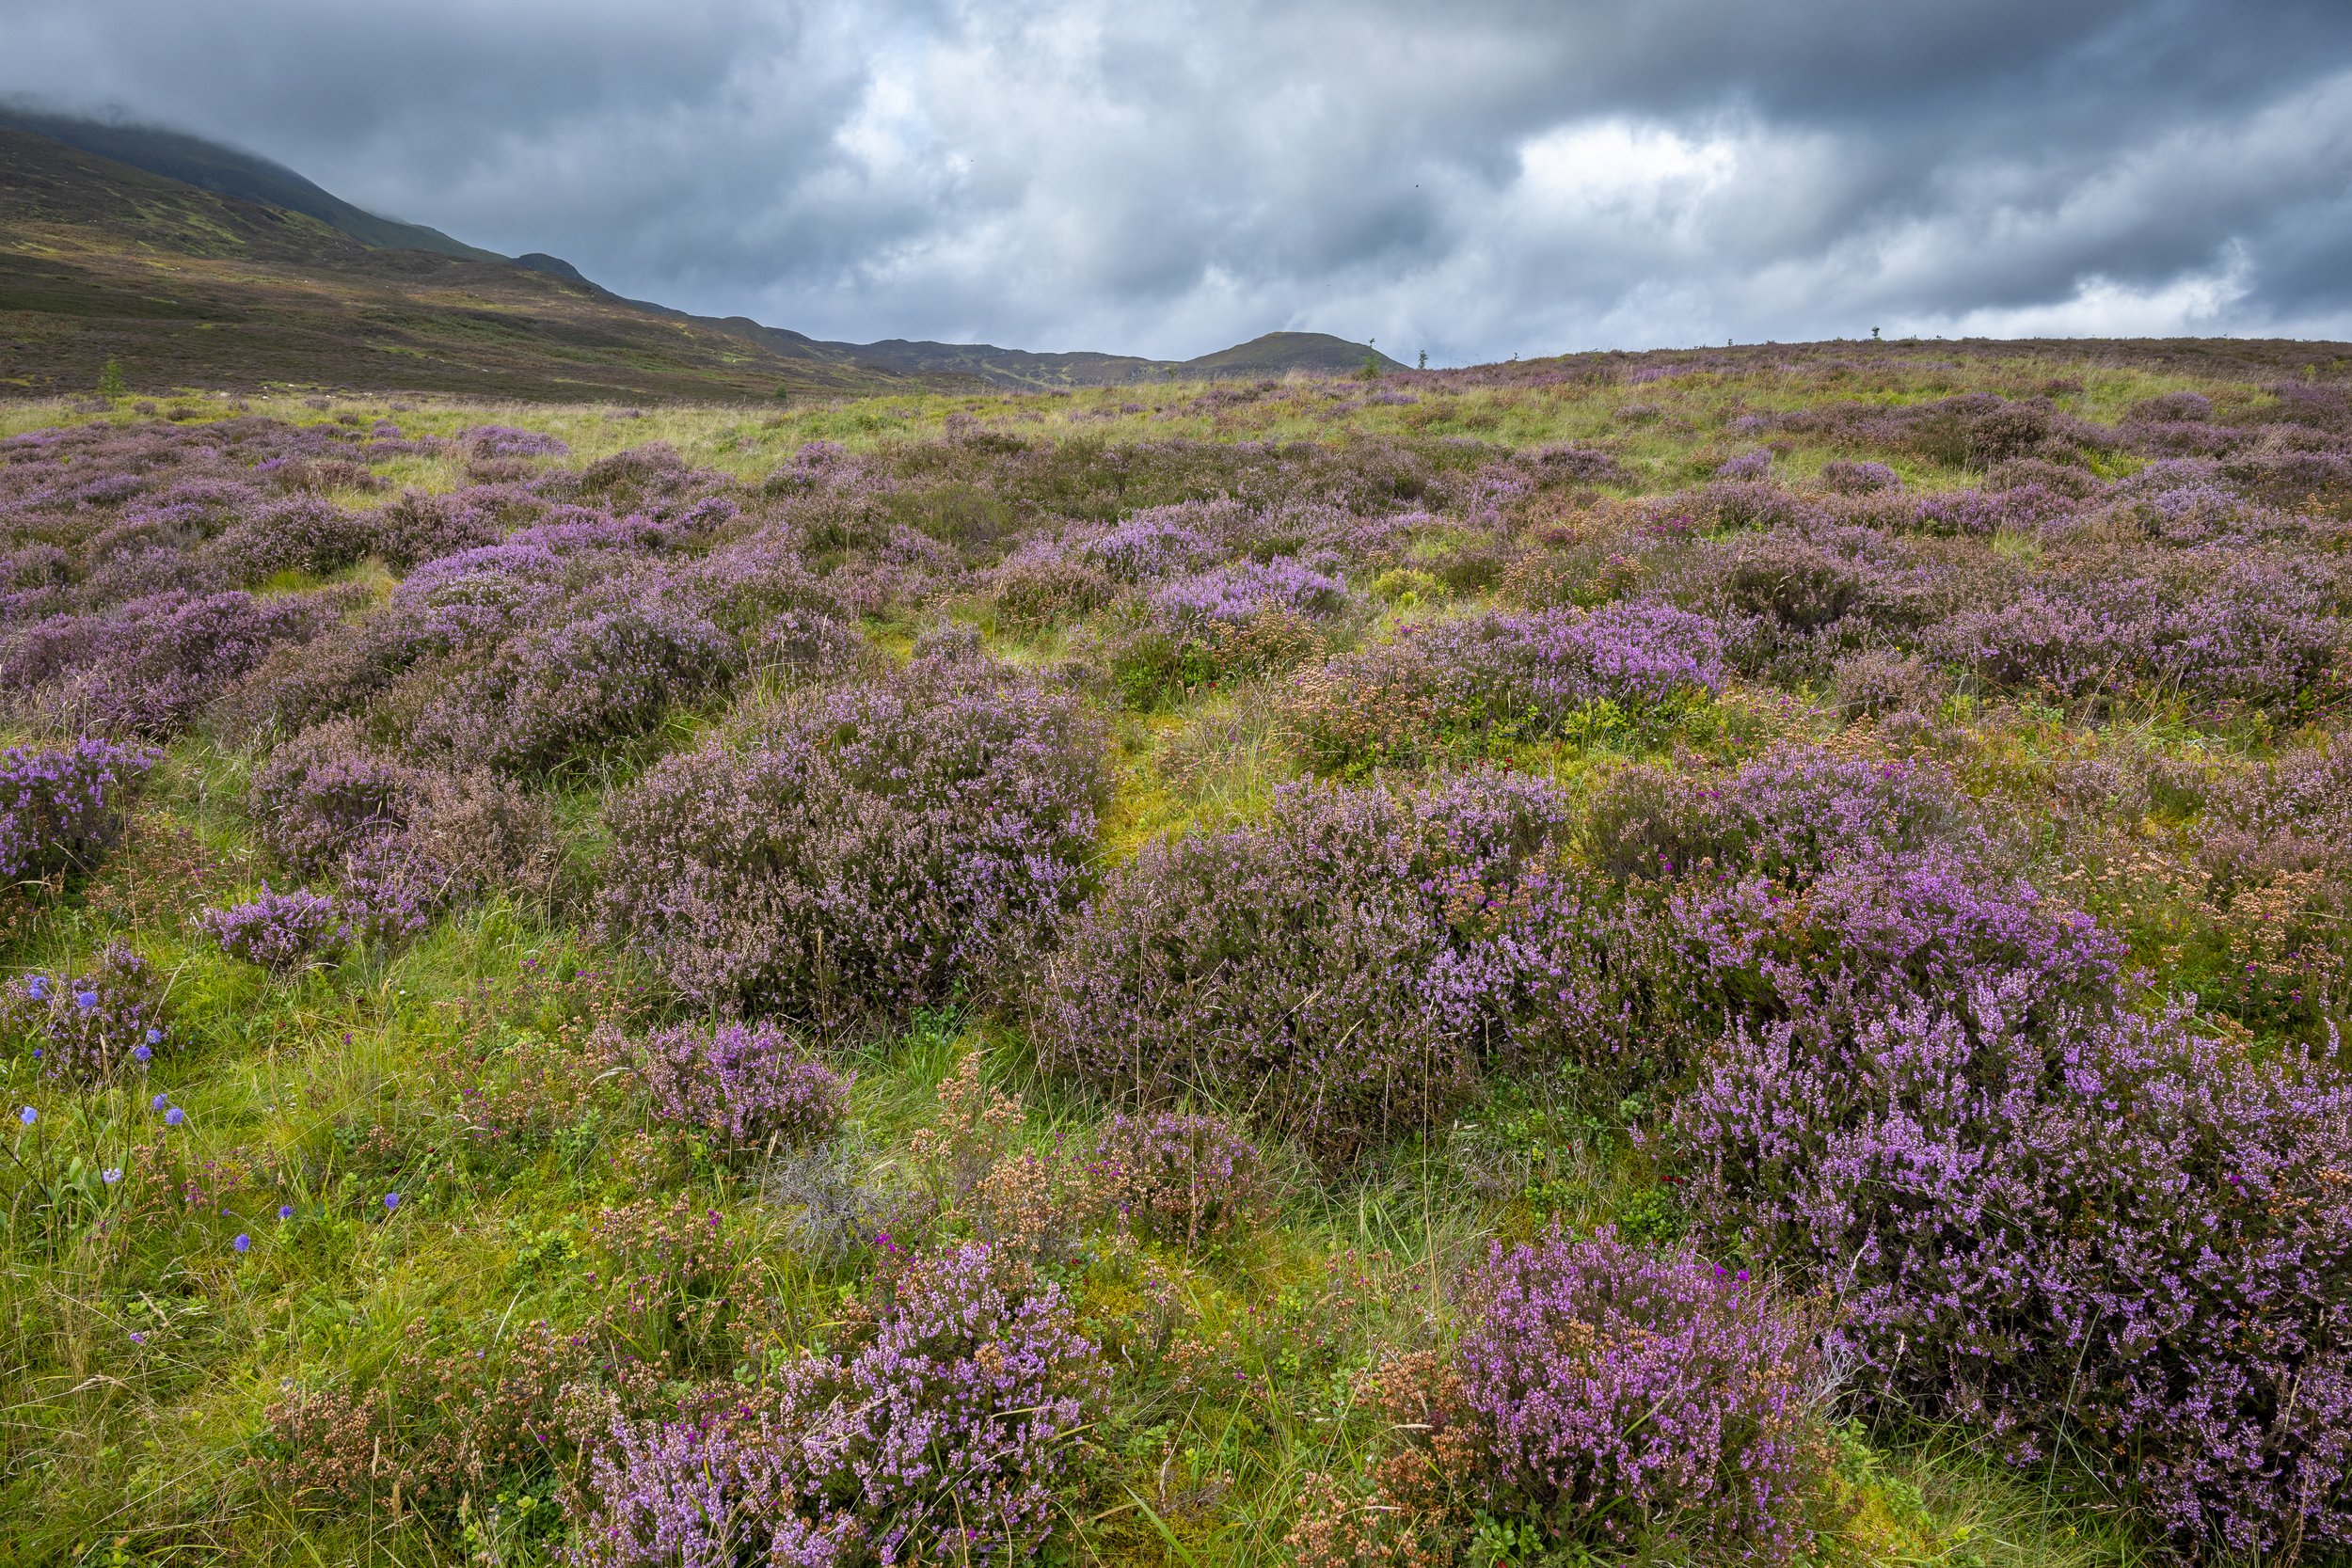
(88, 209)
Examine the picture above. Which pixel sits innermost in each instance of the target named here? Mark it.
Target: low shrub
(1183, 1176)
(748, 1087)
(61, 809)
(938, 1434)
(1340, 970)
(2072, 1230)
(554, 694)
(1788, 815)
(1489, 681)
(1603, 1397)
(406, 841)
(856, 853)
(147, 667)
(280, 930)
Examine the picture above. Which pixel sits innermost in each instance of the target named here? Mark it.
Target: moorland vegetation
(1720, 957)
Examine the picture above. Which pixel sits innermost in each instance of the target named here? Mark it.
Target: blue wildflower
(174, 1116)
(243, 1242)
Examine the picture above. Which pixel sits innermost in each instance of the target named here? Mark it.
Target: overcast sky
(1161, 178)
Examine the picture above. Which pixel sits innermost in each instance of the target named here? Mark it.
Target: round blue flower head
(28, 1116)
(174, 1116)
(243, 1242)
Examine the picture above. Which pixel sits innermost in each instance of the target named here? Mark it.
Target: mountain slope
(226, 172)
(190, 287)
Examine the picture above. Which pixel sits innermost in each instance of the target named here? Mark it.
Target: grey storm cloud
(1163, 178)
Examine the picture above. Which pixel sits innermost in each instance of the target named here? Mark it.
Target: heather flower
(938, 1432)
(280, 930)
(749, 1088)
(861, 852)
(2031, 1214)
(60, 810)
(1606, 1392)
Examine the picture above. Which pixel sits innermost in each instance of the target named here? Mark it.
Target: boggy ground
(1739, 957)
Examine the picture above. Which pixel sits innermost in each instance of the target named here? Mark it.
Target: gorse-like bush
(857, 853)
(2083, 1232)
(748, 1087)
(936, 1435)
(280, 930)
(61, 809)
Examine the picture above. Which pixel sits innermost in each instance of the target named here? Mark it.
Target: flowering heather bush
(89, 1029)
(862, 852)
(1245, 590)
(1748, 465)
(1855, 478)
(1610, 1394)
(550, 695)
(61, 809)
(1185, 1176)
(938, 1435)
(2088, 1231)
(280, 930)
(2260, 632)
(419, 527)
(1494, 679)
(1789, 815)
(749, 1086)
(301, 535)
(1869, 934)
(150, 666)
(1149, 545)
(1342, 969)
(2024, 508)
(406, 841)
(498, 440)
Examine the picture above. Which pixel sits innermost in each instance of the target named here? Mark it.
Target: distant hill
(92, 214)
(226, 172)
(1279, 352)
(190, 287)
